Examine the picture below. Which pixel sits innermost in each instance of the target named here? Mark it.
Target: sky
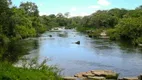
(79, 7)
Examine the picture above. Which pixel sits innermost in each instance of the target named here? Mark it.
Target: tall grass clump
(29, 70)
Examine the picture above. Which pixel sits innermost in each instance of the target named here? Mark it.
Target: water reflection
(12, 51)
(63, 34)
(90, 54)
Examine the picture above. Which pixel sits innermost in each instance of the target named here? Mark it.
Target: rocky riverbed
(100, 75)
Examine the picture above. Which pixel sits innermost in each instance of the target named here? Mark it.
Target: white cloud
(94, 7)
(73, 9)
(103, 2)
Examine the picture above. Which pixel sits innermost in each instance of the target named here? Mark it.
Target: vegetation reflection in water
(91, 54)
(12, 51)
(101, 48)
(13, 66)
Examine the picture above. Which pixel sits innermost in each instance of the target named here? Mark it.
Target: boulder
(97, 78)
(78, 42)
(84, 78)
(80, 75)
(50, 35)
(69, 78)
(98, 75)
(88, 74)
(90, 35)
(108, 74)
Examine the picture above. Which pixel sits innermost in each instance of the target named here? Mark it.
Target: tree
(4, 5)
(119, 13)
(133, 13)
(102, 19)
(139, 8)
(52, 16)
(67, 14)
(60, 15)
(4, 15)
(30, 8)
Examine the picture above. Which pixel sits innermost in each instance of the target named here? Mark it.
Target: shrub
(113, 34)
(34, 71)
(4, 39)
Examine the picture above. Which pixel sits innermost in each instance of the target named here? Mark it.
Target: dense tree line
(24, 21)
(120, 24)
(18, 23)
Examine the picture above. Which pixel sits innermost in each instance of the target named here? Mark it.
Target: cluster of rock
(94, 75)
(100, 75)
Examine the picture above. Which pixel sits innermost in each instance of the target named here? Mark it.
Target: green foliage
(133, 13)
(115, 77)
(121, 24)
(96, 32)
(37, 24)
(30, 8)
(4, 5)
(127, 29)
(18, 23)
(25, 32)
(34, 71)
(82, 29)
(75, 22)
(3, 39)
(112, 34)
(102, 19)
(139, 40)
(0, 29)
(49, 21)
(119, 13)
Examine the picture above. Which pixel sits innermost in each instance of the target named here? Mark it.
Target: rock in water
(78, 42)
(88, 74)
(80, 75)
(50, 35)
(108, 74)
(97, 78)
(98, 75)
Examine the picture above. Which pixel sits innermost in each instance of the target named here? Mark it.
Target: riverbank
(40, 72)
(100, 75)
(26, 69)
(111, 34)
(91, 53)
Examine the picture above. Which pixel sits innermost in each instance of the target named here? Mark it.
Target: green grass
(41, 72)
(112, 76)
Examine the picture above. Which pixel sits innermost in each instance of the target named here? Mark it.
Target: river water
(91, 54)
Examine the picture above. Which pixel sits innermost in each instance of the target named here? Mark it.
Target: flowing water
(91, 54)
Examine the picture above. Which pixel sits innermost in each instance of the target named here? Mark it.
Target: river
(91, 54)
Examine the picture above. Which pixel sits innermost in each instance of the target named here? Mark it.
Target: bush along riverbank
(132, 35)
(118, 24)
(29, 70)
